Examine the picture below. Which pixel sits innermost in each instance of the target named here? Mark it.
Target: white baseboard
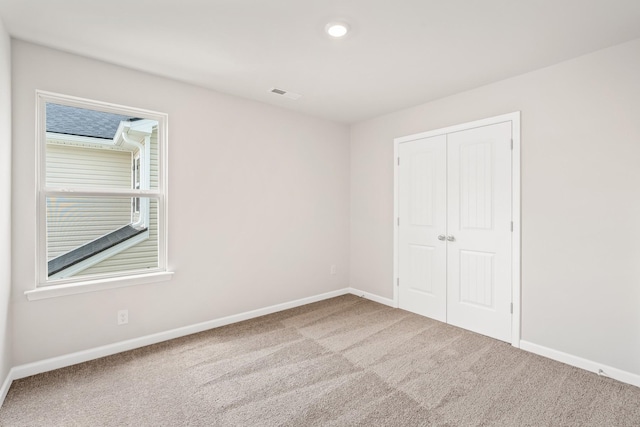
(372, 297)
(53, 363)
(107, 350)
(579, 362)
(46, 365)
(5, 386)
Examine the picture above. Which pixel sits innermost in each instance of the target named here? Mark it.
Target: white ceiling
(400, 53)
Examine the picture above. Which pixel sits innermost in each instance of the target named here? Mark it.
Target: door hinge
(511, 308)
(512, 143)
(398, 281)
(512, 226)
(398, 161)
(398, 221)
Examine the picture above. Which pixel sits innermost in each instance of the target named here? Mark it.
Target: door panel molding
(479, 216)
(423, 200)
(514, 120)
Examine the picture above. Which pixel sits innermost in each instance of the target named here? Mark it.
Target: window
(101, 192)
(136, 185)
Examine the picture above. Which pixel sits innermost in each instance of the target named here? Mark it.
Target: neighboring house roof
(83, 122)
(90, 249)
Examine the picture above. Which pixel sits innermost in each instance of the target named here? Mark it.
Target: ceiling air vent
(285, 94)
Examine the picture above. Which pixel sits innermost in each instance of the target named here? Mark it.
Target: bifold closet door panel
(422, 228)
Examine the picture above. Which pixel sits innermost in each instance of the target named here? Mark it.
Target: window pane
(93, 149)
(91, 154)
(100, 235)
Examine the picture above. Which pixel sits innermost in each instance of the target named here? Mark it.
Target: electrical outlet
(332, 269)
(123, 317)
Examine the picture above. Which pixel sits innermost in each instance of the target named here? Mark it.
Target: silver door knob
(451, 238)
(441, 237)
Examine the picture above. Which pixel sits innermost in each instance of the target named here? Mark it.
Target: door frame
(514, 118)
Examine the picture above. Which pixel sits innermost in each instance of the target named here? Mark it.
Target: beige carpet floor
(345, 361)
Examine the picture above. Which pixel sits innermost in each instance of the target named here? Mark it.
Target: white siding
(145, 254)
(139, 257)
(87, 167)
(74, 221)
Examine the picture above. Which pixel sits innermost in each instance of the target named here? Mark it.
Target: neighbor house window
(101, 191)
(136, 185)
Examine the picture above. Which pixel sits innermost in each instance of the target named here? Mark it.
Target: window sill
(96, 285)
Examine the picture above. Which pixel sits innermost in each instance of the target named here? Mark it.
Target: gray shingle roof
(90, 249)
(83, 122)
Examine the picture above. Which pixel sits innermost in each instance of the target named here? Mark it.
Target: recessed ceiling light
(337, 29)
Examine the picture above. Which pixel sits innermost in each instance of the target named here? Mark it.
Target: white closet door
(479, 230)
(423, 216)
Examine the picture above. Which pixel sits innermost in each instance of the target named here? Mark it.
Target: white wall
(580, 199)
(258, 205)
(5, 202)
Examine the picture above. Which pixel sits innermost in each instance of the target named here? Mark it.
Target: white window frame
(47, 288)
